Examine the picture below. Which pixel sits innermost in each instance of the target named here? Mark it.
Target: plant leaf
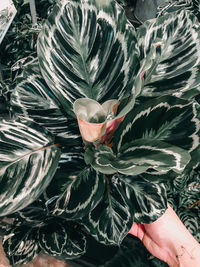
(169, 49)
(126, 199)
(167, 119)
(76, 188)
(20, 245)
(145, 10)
(110, 221)
(88, 49)
(156, 155)
(32, 100)
(59, 239)
(147, 200)
(28, 161)
(190, 219)
(138, 157)
(33, 215)
(172, 6)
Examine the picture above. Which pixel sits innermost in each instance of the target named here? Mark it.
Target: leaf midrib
(79, 44)
(157, 60)
(29, 153)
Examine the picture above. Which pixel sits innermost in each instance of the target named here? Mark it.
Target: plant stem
(33, 11)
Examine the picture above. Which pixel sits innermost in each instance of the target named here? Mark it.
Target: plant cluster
(102, 123)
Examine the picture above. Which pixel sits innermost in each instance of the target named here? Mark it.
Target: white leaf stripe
(154, 207)
(20, 248)
(83, 78)
(51, 242)
(117, 217)
(179, 107)
(73, 210)
(30, 159)
(66, 246)
(177, 156)
(195, 119)
(179, 55)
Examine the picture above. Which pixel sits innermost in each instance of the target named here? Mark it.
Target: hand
(169, 240)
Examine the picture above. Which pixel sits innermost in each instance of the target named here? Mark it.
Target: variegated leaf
(137, 157)
(172, 6)
(169, 49)
(168, 119)
(33, 215)
(88, 49)
(159, 135)
(190, 219)
(110, 221)
(152, 155)
(101, 159)
(76, 188)
(179, 183)
(147, 200)
(126, 199)
(20, 244)
(33, 100)
(59, 239)
(28, 161)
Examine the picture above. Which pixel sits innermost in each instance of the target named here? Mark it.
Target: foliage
(133, 253)
(85, 72)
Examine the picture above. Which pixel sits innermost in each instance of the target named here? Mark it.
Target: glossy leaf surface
(28, 161)
(88, 49)
(173, 6)
(76, 188)
(147, 200)
(110, 221)
(126, 199)
(33, 100)
(59, 239)
(168, 119)
(137, 157)
(169, 49)
(21, 245)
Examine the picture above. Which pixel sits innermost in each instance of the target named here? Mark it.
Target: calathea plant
(132, 97)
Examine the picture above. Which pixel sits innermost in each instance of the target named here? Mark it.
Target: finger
(137, 230)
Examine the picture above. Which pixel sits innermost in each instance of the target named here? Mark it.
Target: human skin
(169, 240)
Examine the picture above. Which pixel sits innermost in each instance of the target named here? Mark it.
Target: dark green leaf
(110, 221)
(33, 216)
(88, 49)
(169, 50)
(190, 219)
(173, 6)
(28, 161)
(20, 245)
(59, 239)
(147, 200)
(32, 100)
(126, 199)
(76, 188)
(167, 119)
(137, 157)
